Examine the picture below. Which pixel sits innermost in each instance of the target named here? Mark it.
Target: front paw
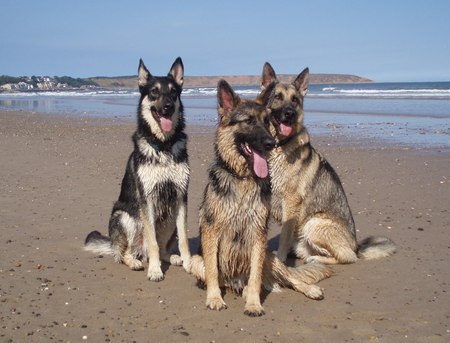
(254, 310)
(175, 260)
(216, 303)
(155, 274)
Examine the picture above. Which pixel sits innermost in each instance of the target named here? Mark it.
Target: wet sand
(59, 179)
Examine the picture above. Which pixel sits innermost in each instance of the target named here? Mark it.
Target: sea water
(412, 114)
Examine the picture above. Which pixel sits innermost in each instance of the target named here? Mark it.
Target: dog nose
(168, 107)
(269, 143)
(289, 113)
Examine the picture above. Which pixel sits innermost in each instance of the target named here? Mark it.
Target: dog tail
(372, 248)
(311, 273)
(99, 244)
(276, 275)
(299, 278)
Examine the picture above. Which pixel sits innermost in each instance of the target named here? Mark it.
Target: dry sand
(60, 177)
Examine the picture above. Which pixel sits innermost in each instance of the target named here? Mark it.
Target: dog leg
(154, 263)
(123, 229)
(300, 250)
(329, 242)
(210, 248)
(183, 242)
(252, 292)
(286, 237)
(166, 241)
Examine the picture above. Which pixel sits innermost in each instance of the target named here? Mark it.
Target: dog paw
(135, 264)
(254, 310)
(313, 259)
(175, 260)
(314, 292)
(216, 304)
(155, 275)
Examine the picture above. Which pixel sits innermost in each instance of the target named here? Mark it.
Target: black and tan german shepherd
(152, 205)
(235, 211)
(307, 196)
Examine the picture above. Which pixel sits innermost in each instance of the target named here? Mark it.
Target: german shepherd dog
(152, 205)
(308, 197)
(235, 211)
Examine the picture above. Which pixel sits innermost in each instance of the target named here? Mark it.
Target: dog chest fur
(241, 218)
(163, 171)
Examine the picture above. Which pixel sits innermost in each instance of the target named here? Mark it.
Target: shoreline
(60, 176)
(404, 118)
(406, 132)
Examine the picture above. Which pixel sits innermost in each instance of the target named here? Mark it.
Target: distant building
(16, 86)
(6, 87)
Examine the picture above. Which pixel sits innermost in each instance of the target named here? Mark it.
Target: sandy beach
(60, 176)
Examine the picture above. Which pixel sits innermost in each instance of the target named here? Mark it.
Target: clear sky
(384, 40)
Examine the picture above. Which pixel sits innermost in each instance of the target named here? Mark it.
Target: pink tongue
(260, 165)
(166, 124)
(285, 129)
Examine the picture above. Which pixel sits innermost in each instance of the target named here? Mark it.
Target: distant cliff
(211, 81)
(27, 83)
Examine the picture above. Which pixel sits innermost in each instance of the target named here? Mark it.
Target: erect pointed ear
(227, 99)
(177, 71)
(301, 82)
(267, 94)
(143, 74)
(268, 75)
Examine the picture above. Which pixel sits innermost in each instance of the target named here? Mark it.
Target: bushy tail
(372, 248)
(311, 273)
(99, 244)
(291, 276)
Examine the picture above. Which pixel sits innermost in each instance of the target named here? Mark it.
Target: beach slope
(60, 177)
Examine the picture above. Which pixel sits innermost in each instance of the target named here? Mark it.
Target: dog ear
(177, 71)
(143, 74)
(268, 76)
(227, 99)
(267, 94)
(301, 82)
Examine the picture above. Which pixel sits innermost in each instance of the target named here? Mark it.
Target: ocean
(409, 114)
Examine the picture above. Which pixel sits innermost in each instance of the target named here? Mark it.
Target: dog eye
(278, 96)
(173, 93)
(295, 100)
(154, 92)
(250, 120)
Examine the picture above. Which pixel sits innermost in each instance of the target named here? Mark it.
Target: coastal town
(42, 83)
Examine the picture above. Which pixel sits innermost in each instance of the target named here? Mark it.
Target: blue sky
(395, 40)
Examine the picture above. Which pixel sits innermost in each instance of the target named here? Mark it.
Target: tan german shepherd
(307, 195)
(235, 211)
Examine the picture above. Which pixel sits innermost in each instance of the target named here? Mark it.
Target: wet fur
(307, 196)
(152, 205)
(235, 211)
